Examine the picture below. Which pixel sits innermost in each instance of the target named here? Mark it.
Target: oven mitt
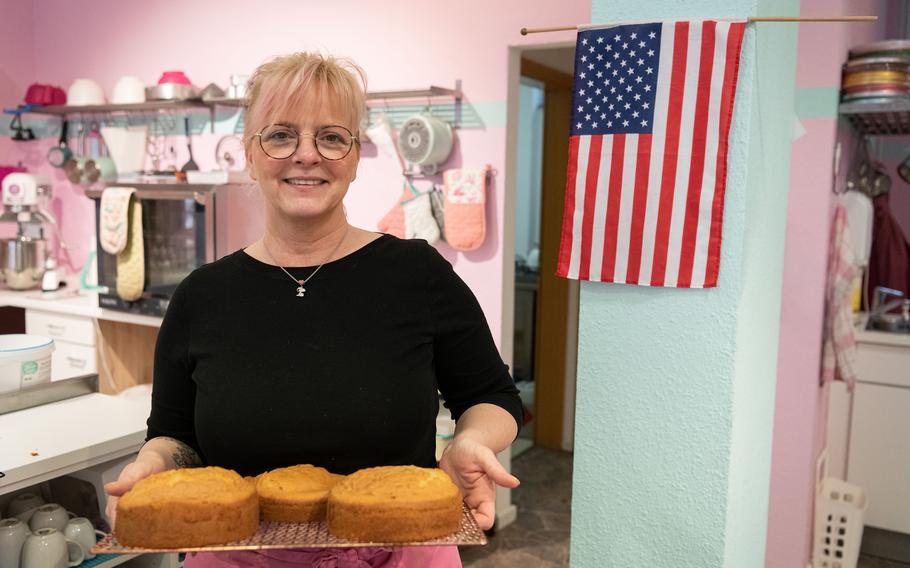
(113, 232)
(437, 205)
(465, 207)
(131, 262)
(393, 222)
(418, 219)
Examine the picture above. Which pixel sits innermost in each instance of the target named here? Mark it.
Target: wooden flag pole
(526, 31)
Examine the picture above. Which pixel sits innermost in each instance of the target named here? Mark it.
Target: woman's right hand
(131, 474)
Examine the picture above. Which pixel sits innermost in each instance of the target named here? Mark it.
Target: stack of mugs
(39, 535)
(877, 73)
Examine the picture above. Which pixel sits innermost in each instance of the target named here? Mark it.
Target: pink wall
(17, 66)
(801, 405)
(400, 43)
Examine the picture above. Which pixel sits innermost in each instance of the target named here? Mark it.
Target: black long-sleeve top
(253, 377)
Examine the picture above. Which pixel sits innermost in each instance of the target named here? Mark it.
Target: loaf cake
(394, 504)
(185, 508)
(295, 494)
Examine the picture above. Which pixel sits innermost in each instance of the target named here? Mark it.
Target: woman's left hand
(476, 471)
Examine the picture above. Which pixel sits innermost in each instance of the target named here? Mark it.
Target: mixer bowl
(22, 262)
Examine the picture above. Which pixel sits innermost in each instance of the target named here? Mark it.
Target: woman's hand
(131, 474)
(476, 471)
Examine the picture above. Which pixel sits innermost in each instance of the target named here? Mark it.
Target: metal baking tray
(272, 535)
(45, 393)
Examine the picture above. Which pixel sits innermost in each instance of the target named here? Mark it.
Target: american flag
(648, 152)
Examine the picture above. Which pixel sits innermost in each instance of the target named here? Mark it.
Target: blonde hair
(284, 82)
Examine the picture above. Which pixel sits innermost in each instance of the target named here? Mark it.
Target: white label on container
(34, 372)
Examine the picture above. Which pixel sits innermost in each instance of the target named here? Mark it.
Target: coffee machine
(23, 257)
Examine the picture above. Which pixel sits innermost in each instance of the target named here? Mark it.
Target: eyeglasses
(281, 142)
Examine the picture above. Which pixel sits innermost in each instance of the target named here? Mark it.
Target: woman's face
(306, 186)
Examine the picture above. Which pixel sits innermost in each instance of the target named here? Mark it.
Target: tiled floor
(539, 538)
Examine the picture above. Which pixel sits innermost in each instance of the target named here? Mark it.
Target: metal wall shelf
(878, 119)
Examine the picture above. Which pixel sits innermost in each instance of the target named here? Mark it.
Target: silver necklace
(300, 283)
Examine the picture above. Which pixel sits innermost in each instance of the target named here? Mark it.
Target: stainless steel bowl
(22, 262)
(170, 92)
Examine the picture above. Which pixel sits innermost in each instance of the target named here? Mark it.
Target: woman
(324, 343)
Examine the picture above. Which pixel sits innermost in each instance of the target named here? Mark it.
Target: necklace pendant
(300, 291)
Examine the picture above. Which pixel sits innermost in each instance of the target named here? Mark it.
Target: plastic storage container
(839, 511)
(25, 361)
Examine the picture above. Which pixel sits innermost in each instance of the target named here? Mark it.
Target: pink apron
(411, 557)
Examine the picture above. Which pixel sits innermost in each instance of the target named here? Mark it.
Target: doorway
(545, 308)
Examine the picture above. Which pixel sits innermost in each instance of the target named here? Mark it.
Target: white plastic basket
(839, 511)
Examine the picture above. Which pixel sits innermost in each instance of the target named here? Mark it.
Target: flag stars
(589, 100)
(587, 117)
(617, 37)
(625, 123)
(580, 108)
(609, 47)
(641, 44)
(590, 83)
(581, 75)
(622, 63)
(593, 125)
(647, 88)
(597, 108)
(578, 125)
(637, 96)
(609, 124)
(635, 114)
(584, 58)
(600, 56)
(633, 36)
(590, 66)
(615, 55)
(600, 74)
(640, 61)
(629, 89)
(650, 53)
(645, 106)
(600, 39)
(652, 35)
(603, 115)
(649, 70)
(644, 123)
(591, 49)
(627, 106)
(632, 53)
(625, 45)
(618, 114)
(584, 41)
(619, 97)
(597, 92)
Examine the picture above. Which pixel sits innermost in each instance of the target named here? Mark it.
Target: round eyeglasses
(281, 142)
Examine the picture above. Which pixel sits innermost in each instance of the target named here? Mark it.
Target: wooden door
(553, 293)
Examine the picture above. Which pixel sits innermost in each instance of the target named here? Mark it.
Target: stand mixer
(22, 258)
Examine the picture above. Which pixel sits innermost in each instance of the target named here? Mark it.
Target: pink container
(177, 77)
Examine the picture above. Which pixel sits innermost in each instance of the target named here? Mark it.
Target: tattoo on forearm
(183, 455)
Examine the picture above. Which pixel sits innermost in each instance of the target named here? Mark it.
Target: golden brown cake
(394, 504)
(184, 508)
(295, 494)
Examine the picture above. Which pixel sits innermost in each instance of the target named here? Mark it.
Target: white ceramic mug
(48, 548)
(50, 516)
(13, 533)
(81, 531)
(23, 505)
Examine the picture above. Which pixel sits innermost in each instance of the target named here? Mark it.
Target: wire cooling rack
(273, 535)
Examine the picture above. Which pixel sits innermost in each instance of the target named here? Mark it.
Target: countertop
(73, 302)
(47, 441)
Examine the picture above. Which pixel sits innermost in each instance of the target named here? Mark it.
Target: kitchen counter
(73, 302)
(45, 442)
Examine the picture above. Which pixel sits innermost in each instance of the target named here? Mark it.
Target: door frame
(566, 429)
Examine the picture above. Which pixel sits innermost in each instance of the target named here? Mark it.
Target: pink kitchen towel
(839, 347)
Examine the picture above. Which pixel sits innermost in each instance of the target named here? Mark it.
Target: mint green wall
(676, 387)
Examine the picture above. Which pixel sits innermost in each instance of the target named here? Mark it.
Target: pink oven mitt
(465, 207)
(393, 222)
